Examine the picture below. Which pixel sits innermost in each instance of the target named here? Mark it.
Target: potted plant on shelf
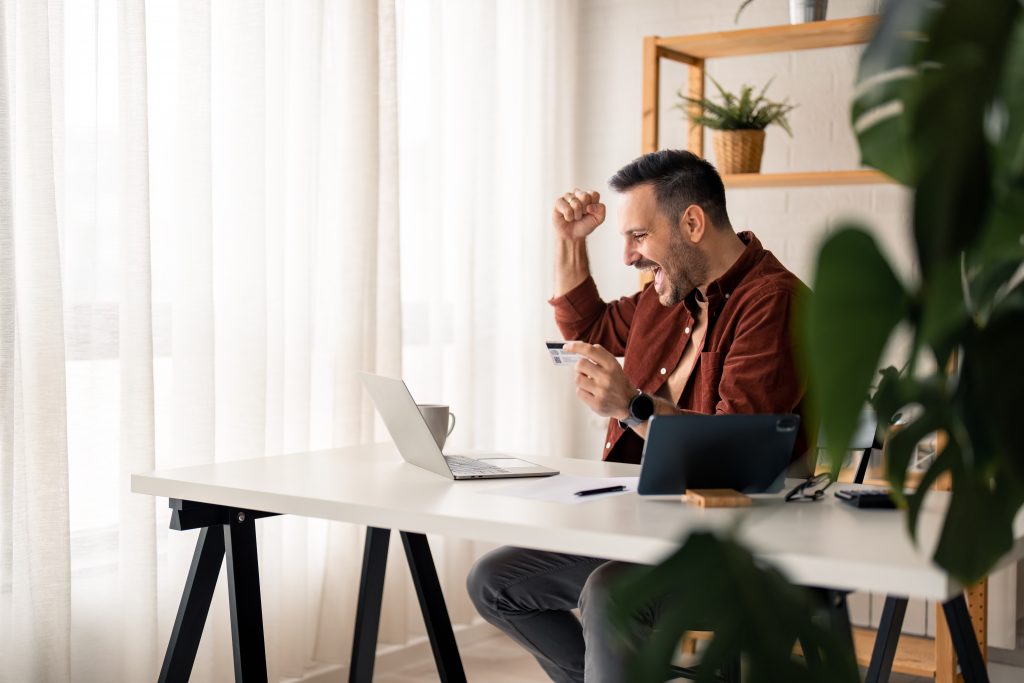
(739, 122)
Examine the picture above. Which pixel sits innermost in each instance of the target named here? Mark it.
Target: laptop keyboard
(461, 465)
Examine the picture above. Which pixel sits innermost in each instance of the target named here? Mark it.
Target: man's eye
(639, 236)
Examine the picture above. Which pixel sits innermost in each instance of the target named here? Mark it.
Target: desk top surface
(825, 543)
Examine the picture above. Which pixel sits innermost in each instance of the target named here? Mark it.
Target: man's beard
(684, 268)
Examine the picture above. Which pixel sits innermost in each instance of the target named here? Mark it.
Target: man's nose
(629, 254)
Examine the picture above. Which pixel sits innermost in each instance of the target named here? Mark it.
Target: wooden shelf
(693, 50)
(806, 179)
(809, 36)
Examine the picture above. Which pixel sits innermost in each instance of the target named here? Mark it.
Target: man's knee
(479, 585)
(595, 599)
(487, 580)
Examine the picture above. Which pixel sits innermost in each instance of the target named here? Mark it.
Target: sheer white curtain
(215, 222)
(487, 130)
(199, 247)
(35, 581)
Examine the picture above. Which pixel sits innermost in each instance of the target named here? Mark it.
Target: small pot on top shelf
(739, 122)
(800, 11)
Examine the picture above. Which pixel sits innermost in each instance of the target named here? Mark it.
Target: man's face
(653, 243)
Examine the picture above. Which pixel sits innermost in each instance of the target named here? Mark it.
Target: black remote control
(876, 499)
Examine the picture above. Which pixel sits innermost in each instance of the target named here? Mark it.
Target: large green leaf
(715, 584)
(988, 286)
(1003, 236)
(900, 449)
(896, 391)
(978, 529)
(944, 462)
(1009, 145)
(1002, 239)
(885, 81)
(949, 205)
(950, 152)
(857, 301)
(944, 315)
(993, 378)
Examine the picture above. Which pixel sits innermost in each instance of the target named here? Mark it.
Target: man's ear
(693, 223)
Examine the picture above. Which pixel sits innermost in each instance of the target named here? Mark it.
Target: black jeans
(529, 594)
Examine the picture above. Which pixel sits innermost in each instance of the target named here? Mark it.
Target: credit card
(560, 357)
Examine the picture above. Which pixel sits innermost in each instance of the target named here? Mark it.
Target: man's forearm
(572, 266)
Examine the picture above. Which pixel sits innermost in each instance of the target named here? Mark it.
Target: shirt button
(686, 330)
(727, 295)
(663, 371)
(608, 445)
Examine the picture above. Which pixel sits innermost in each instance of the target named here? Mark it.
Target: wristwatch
(641, 408)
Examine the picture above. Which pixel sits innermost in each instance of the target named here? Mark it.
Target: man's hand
(577, 214)
(600, 381)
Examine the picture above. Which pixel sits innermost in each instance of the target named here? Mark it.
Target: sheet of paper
(562, 488)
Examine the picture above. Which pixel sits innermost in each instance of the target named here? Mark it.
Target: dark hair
(679, 178)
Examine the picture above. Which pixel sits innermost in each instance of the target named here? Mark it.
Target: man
(711, 335)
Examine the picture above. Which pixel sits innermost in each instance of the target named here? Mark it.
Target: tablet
(749, 453)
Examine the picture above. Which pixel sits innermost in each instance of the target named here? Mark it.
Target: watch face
(641, 407)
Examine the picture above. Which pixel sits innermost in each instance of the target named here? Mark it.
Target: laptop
(417, 447)
(748, 453)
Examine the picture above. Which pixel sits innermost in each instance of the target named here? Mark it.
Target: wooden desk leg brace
(224, 532)
(432, 605)
(961, 630)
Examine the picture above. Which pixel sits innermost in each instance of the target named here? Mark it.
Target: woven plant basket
(738, 151)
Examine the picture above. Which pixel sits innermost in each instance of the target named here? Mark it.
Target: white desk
(824, 544)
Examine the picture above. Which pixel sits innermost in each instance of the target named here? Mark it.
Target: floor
(498, 660)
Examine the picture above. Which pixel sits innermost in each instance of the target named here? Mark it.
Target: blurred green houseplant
(939, 108)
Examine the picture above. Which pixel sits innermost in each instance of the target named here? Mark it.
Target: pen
(606, 489)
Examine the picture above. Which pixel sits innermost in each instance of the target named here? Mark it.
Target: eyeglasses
(811, 489)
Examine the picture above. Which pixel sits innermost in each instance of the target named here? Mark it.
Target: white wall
(790, 222)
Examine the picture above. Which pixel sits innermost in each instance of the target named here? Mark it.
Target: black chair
(864, 440)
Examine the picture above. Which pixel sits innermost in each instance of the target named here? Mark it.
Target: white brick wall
(790, 222)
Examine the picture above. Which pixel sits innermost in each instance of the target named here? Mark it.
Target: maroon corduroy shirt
(747, 364)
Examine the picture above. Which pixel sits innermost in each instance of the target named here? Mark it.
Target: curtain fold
(137, 517)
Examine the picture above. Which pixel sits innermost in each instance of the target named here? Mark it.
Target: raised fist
(577, 214)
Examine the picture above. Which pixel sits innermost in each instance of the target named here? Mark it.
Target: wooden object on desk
(716, 498)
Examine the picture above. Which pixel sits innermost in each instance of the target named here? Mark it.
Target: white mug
(440, 421)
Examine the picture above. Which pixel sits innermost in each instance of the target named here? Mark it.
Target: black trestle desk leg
(368, 604)
(839, 614)
(194, 607)
(244, 596)
(965, 643)
(435, 613)
(886, 639)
